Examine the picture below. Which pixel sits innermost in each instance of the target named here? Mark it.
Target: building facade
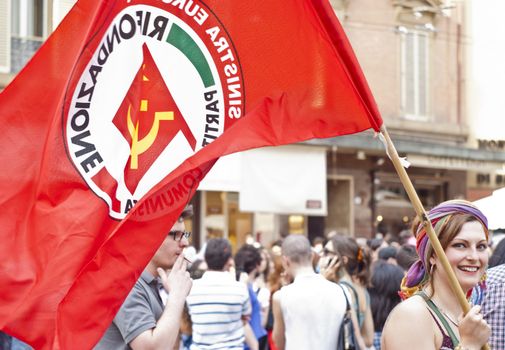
(414, 54)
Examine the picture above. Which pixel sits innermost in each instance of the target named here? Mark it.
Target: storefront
(366, 188)
(347, 185)
(261, 195)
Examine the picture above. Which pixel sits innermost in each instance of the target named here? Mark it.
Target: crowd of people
(296, 295)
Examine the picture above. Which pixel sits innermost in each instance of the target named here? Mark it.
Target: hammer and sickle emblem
(140, 146)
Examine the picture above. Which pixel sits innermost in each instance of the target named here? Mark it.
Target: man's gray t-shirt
(139, 312)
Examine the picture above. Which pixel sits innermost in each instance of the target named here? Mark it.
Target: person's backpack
(346, 335)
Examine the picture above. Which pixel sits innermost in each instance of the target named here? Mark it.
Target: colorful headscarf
(418, 273)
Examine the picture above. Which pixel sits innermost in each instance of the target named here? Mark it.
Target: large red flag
(111, 126)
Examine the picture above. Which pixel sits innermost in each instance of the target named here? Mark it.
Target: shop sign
(453, 163)
(485, 180)
(491, 145)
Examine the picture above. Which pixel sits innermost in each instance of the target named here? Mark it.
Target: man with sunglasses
(143, 322)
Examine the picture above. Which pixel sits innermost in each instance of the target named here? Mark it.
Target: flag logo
(154, 85)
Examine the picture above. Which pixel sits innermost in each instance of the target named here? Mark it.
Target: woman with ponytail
(354, 274)
(431, 316)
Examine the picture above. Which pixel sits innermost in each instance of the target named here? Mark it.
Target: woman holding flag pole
(431, 317)
(442, 260)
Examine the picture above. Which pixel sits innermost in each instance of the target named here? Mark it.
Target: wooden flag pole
(418, 207)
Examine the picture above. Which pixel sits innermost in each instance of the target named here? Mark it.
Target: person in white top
(308, 312)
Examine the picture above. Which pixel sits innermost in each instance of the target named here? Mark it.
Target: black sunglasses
(178, 235)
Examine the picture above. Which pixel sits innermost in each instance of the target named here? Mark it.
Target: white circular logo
(156, 87)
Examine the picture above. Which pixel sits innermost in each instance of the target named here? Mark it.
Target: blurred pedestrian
(356, 275)
(406, 256)
(431, 304)
(493, 307)
(219, 305)
(384, 287)
(309, 311)
(498, 256)
(388, 254)
(375, 244)
(392, 240)
(406, 237)
(248, 261)
(261, 286)
(276, 280)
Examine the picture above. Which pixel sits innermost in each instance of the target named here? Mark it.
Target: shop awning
(282, 180)
(224, 176)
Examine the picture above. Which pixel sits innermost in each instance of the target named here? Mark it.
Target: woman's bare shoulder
(415, 304)
(409, 325)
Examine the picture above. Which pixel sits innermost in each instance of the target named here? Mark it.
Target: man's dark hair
(217, 253)
(498, 256)
(374, 243)
(406, 256)
(196, 271)
(404, 236)
(387, 252)
(247, 258)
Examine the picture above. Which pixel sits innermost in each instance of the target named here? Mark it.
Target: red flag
(170, 86)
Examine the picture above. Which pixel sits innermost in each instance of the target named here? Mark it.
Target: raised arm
(165, 334)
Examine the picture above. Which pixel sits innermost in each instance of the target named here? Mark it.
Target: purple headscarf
(438, 216)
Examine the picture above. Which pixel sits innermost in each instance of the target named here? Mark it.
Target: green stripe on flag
(181, 40)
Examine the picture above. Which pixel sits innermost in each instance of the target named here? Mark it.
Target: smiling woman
(440, 324)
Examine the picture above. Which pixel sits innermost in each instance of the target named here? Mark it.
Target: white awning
(282, 180)
(225, 175)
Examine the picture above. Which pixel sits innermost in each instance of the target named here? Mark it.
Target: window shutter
(423, 75)
(60, 10)
(5, 36)
(410, 73)
(415, 74)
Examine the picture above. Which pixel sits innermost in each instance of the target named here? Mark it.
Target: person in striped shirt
(218, 305)
(493, 307)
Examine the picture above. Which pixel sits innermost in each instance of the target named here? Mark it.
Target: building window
(27, 18)
(28, 29)
(415, 64)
